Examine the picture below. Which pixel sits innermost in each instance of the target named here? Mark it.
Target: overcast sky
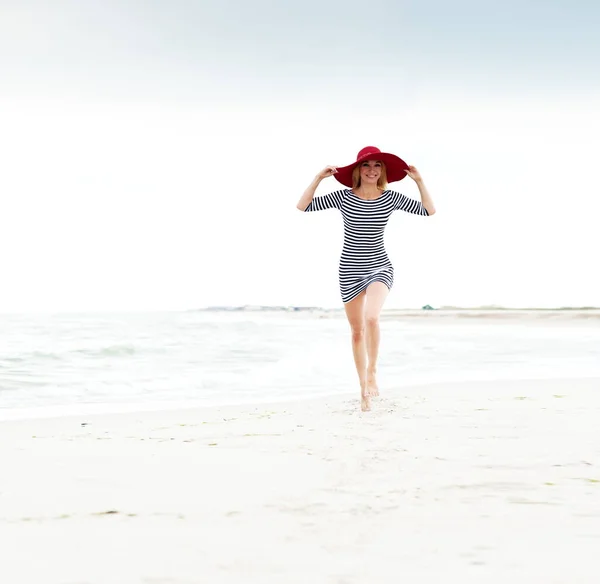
(153, 152)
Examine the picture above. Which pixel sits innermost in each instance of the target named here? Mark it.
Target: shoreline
(69, 411)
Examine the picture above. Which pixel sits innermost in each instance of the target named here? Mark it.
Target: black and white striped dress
(364, 259)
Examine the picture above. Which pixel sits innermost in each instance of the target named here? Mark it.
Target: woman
(366, 274)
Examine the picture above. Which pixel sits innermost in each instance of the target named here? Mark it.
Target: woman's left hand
(414, 173)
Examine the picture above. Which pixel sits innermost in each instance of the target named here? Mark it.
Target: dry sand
(475, 482)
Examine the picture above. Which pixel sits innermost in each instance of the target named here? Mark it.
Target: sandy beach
(472, 482)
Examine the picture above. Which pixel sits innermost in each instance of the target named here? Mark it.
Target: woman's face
(370, 171)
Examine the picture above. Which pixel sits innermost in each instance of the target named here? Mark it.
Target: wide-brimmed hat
(395, 167)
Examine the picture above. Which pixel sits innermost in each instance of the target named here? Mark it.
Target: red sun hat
(395, 167)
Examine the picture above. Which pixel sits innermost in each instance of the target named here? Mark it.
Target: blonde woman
(366, 274)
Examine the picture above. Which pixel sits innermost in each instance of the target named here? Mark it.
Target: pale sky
(153, 153)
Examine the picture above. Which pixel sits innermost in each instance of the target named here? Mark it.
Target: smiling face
(370, 172)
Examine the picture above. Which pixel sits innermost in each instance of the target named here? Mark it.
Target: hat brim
(395, 168)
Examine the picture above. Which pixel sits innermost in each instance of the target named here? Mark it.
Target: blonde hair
(382, 183)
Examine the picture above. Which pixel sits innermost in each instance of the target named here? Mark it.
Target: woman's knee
(358, 332)
(372, 320)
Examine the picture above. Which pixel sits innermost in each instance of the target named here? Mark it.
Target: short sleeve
(330, 201)
(404, 203)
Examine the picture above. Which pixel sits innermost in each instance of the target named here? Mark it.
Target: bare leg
(375, 297)
(355, 312)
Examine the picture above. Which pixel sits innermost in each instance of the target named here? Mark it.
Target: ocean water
(73, 363)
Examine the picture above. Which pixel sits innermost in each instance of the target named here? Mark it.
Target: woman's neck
(369, 192)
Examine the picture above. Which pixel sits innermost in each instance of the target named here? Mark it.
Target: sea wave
(124, 350)
(28, 357)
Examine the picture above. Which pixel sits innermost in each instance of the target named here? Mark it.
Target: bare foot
(372, 387)
(365, 403)
(365, 398)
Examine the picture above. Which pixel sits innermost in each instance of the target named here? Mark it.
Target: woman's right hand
(327, 171)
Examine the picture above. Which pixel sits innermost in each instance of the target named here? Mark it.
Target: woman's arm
(426, 199)
(309, 193)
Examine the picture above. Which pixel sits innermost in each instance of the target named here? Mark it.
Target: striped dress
(364, 259)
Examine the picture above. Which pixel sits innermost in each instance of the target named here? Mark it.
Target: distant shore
(425, 312)
(426, 308)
